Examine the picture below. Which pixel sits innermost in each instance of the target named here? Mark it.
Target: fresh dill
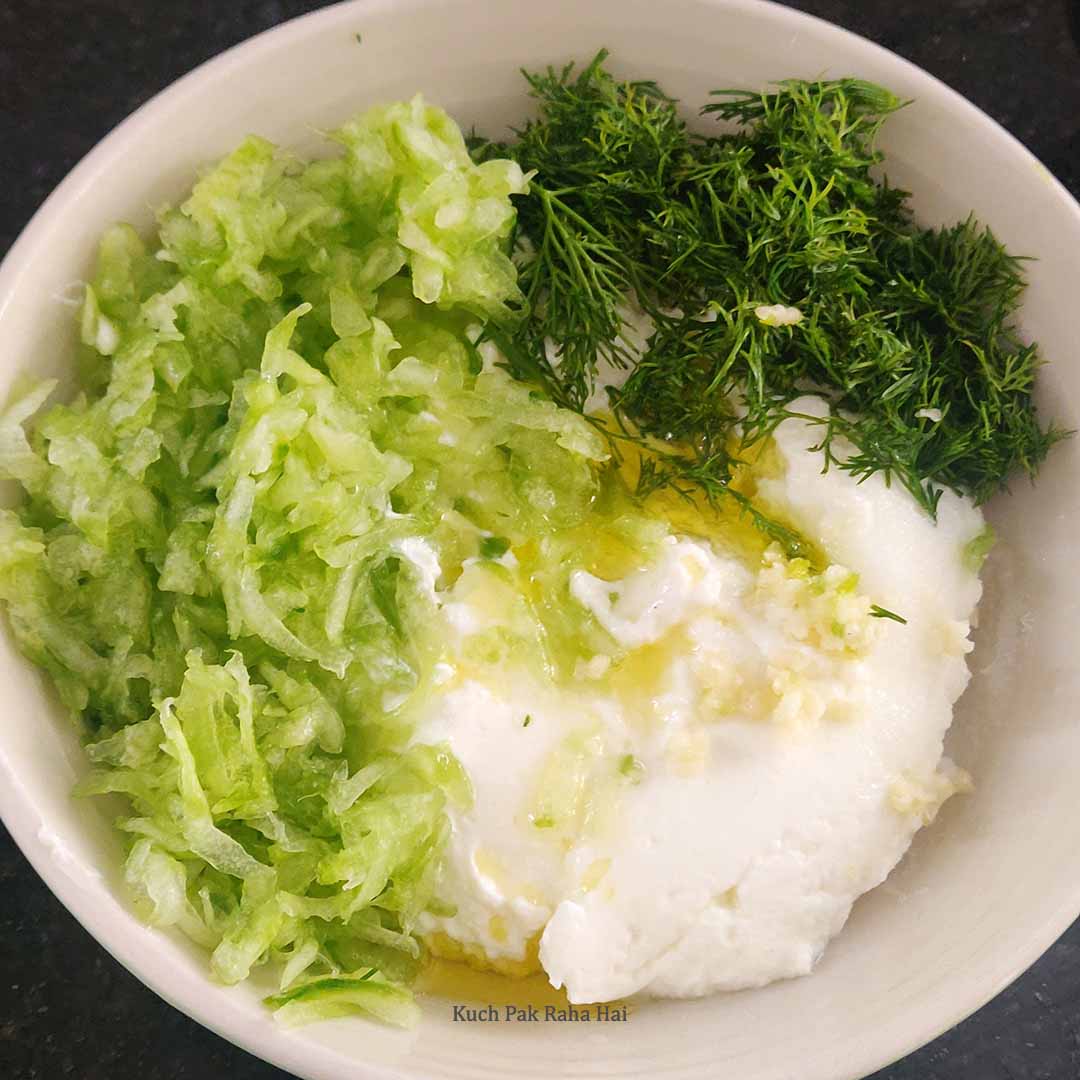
(907, 331)
(878, 612)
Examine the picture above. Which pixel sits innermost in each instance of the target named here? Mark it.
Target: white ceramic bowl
(979, 897)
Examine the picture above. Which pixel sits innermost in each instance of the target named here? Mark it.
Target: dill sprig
(907, 331)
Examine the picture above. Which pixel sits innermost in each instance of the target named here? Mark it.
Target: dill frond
(907, 331)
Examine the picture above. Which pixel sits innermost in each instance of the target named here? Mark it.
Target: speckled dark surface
(70, 71)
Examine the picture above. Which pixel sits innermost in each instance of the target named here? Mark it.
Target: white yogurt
(709, 826)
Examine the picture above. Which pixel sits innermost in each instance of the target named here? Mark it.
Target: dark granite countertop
(70, 71)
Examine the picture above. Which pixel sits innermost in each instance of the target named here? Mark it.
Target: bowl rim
(15, 810)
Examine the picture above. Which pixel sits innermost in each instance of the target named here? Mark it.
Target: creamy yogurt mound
(699, 809)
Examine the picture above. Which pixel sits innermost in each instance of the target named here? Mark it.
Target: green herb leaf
(878, 612)
(908, 331)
